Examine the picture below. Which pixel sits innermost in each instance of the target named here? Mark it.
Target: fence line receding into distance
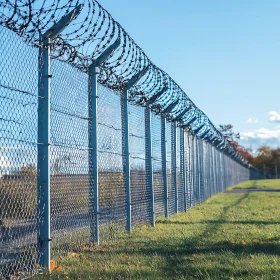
(94, 138)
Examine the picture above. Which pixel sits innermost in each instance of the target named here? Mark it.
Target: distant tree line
(267, 159)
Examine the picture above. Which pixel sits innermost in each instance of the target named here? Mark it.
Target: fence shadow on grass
(179, 258)
(194, 257)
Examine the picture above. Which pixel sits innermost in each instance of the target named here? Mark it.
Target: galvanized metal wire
(157, 166)
(70, 183)
(87, 36)
(112, 194)
(18, 154)
(190, 160)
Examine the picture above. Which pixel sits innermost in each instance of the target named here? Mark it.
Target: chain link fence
(90, 177)
(18, 155)
(157, 161)
(112, 193)
(71, 182)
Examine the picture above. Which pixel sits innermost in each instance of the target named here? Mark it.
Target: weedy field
(230, 236)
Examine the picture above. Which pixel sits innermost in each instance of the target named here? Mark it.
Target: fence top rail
(85, 39)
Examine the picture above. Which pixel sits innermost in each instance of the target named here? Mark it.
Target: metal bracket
(220, 145)
(156, 96)
(135, 78)
(62, 24)
(205, 135)
(187, 124)
(170, 107)
(196, 130)
(106, 54)
(212, 138)
(179, 117)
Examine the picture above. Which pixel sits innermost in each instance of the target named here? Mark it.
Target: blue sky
(224, 54)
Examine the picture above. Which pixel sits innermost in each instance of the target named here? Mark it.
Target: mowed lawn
(230, 236)
(259, 184)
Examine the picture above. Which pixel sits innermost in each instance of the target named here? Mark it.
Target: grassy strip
(231, 236)
(260, 184)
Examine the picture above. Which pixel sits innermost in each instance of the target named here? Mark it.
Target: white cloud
(262, 133)
(274, 116)
(262, 136)
(251, 120)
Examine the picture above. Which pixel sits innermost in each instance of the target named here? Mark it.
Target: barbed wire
(84, 40)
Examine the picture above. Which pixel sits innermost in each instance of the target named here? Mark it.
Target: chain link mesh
(203, 177)
(157, 166)
(170, 167)
(180, 170)
(140, 194)
(71, 183)
(18, 155)
(112, 194)
(201, 170)
(189, 169)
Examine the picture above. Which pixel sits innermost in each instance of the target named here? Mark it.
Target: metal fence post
(189, 171)
(220, 171)
(215, 182)
(183, 167)
(202, 178)
(93, 154)
(211, 170)
(198, 162)
(164, 164)
(193, 173)
(125, 143)
(190, 166)
(197, 170)
(126, 158)
(43, 168)
(174, 165)
(149, 161)
(225, 172)
(43, 158)
(207, 169)
(92, 139)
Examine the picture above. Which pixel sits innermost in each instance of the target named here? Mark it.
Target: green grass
(260, 184)
(230, 236)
